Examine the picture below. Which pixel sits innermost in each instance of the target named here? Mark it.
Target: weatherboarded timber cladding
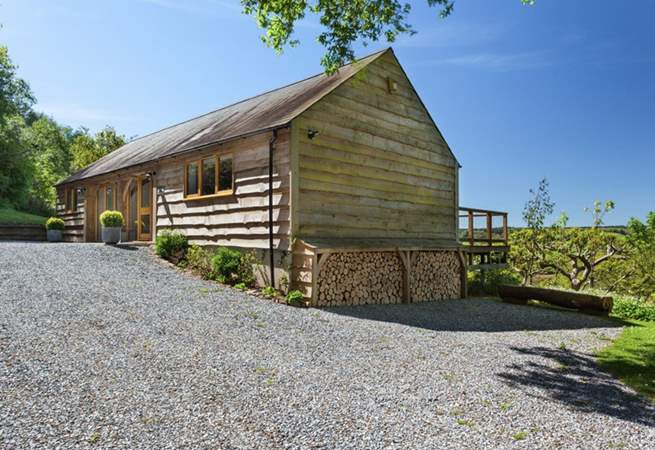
(73, 220)
(378, 166)
(241, 219)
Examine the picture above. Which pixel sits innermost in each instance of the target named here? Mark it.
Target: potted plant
(54, 227)
(112, 222)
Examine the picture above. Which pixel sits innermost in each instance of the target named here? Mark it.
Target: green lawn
(11, 216)
(631, 358)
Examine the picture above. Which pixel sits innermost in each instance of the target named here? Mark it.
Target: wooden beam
(463, 274)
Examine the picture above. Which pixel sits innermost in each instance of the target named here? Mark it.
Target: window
(146, 186)
(225, 174)
(191, 187)
(208, 177)
(71, 199)
(109, 198)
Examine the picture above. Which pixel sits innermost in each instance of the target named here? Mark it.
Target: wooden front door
(144, 225)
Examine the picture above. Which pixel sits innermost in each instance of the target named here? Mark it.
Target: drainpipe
(271, 147)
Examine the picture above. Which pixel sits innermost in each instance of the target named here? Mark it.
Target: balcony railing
(484, 236)
(489, 233)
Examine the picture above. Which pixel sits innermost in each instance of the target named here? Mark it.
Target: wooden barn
(344, 182)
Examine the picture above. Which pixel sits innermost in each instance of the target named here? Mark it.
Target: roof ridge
(257, 95)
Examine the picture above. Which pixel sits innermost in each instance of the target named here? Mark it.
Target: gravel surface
(106, 347)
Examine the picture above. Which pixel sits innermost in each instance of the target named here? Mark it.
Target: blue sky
(563, 90)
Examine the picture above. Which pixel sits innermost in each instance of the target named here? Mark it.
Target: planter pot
(111, 235)
(54, 235)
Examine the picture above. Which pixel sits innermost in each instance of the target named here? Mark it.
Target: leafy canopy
(344, 22)
(86, 149)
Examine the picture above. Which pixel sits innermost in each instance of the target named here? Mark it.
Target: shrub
(269, 292)
(240, 286)
(295, 298)
(111, 219)
(200, 260)
(629, 308)
(492, 279)
(232, 267)
(171, 245)
(54, 223)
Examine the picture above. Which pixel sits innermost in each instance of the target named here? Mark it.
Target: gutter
(271, 147)
(176, 155)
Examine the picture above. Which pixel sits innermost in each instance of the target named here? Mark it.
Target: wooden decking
(485, 243)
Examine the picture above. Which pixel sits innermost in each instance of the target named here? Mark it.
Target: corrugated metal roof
(263, 112)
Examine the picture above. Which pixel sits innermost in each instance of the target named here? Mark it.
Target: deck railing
(488, 234)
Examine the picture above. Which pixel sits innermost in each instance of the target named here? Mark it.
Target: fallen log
(589, 303)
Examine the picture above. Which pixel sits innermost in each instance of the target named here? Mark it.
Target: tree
(575, 253)
(48, 145)
(15, 165)
(16, 101)
(345, 22)
(16, 97)
(641, 261)
(87, 149)
(525, 250)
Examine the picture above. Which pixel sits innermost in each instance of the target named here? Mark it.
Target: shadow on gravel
(474, 315)
(578, 383)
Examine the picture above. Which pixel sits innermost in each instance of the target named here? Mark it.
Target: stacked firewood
(357, 278)
(435, 276)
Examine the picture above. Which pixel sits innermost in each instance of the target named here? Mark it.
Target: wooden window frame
(70, 200)
(217, 192)
(114, 198)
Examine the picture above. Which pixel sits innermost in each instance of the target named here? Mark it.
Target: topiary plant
(111, 219)
(171, 245)
(54, 223)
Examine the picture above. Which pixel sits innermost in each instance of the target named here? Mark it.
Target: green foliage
(558, 251)
(631, 358)
(640, 265)
(55, 223)
(269, 292)
(171, 245)
(48, 145)
(295, 298)
(199, 260)
(111, 219)
(492, 279)
(633, 309)
(240, 286)
(232, 267)
(35, 151)
(16, 97)
(86, 149)
(11, 216)
(15, 163)
(344, 22)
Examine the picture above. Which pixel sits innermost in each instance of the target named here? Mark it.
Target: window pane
(225, 176)
(208, 176)
(145, 224)
(110, 199)
(192, 179)
(146, 189)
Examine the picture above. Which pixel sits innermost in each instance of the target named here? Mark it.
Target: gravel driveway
(105, 347)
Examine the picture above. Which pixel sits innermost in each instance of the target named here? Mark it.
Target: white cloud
(497, 61)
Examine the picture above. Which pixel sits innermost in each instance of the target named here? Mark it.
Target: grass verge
(631, 357)
(10, 216)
